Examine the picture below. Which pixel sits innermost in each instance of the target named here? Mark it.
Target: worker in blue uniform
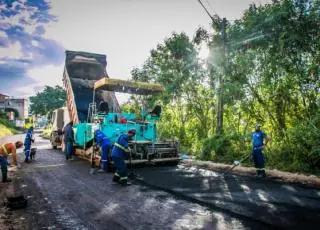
(27, 144)
(258, 138)
(68, 138)
(105, 144)
(120, 152)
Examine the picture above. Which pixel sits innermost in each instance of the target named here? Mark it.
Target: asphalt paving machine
(92, 105)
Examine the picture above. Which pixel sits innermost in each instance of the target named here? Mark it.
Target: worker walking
(68, 138)
(5, 151)
(27, 143)
(120, 152)
(105, 145)
(258, 145)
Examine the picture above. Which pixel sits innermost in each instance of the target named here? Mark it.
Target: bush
(6, 127)
(225, 148)
(300, 149)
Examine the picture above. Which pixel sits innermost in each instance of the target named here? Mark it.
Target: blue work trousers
(27, 150)
(258, 159)
(4, 167)
(68, 148)
(104, 157)
(121, 167)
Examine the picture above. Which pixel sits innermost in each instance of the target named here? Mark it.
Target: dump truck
(92, 105)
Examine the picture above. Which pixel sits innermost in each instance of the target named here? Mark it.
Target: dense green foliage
(271, 75)
(48, 100)
(7, 128)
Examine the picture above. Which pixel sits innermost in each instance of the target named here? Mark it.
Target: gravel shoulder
(311, 181)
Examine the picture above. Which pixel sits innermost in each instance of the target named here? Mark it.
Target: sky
(34, 34)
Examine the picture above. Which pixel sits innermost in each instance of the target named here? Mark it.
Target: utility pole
(220, 104)
(220, 99)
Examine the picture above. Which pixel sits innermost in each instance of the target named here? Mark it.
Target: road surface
(165, 198)
(14, 138)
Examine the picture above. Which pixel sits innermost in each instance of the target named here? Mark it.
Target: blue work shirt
(257, 138)
(102, 140)
(123, 140)
(27, 140)
(68, 133)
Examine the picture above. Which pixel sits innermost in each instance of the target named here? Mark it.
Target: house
(19, 105)
(3, 97)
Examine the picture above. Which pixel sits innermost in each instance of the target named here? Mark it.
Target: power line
(211, 7)
(209, 14)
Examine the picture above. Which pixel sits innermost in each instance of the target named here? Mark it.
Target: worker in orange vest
(5, 151)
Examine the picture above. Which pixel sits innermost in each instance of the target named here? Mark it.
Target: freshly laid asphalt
(176, 197)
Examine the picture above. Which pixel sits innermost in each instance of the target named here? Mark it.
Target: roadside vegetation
(45, 102)
(6, 127)
(268, 64)
(47, 131)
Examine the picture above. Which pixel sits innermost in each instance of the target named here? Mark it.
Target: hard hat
(258, 125)
(132, 131)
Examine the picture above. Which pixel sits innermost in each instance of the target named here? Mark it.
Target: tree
(271, 76)
(175, 64)
(47, 100)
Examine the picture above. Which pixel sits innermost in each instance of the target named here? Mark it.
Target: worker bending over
(5, 151)
(27, 143)
(105, 144)
(258, 145)
(120, 152)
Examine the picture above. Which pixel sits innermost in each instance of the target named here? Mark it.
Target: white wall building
(21, 105)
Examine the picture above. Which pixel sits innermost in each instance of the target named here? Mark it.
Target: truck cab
(60, 117)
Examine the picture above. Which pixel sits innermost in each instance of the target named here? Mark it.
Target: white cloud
(13, 51)
(30, 90)
(47, 75)
(3, 34)
(125, 31)
(35, 43)
(25, 14)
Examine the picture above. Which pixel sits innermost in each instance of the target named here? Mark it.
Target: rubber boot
(115, 178)
(72, 158)
(5, 178)
(124, 182)
(101, 171)
(103, 167)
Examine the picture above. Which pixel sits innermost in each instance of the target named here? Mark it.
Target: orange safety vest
(5, 151)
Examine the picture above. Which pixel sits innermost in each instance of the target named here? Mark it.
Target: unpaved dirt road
(165, 198)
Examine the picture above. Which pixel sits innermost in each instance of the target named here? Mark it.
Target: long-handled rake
(132, 174)
(236, 163)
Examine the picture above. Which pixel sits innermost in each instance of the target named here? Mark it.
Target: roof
(3, 95)
(125, 86)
